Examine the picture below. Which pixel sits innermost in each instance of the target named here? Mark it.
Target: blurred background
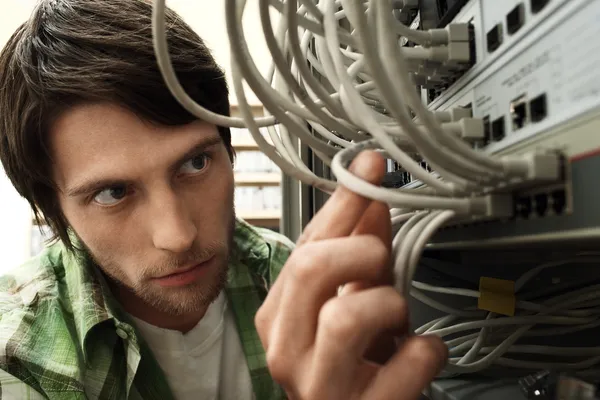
(258, 180)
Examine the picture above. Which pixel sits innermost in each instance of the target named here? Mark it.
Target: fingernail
(369, 166)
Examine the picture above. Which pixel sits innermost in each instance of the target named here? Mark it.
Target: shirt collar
(90, 298)
(248, 244)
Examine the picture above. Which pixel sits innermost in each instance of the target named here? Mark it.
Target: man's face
(153, 205)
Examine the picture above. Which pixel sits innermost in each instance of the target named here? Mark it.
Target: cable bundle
(488, 339)
(342, 82)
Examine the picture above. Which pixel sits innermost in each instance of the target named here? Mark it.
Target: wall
(207, 18)
(15, 215)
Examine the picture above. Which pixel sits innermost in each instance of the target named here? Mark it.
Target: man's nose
(173, 227)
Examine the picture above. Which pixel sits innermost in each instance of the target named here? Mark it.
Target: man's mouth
(187, 275)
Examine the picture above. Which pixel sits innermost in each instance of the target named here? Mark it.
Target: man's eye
(195, 164)
(111, 196)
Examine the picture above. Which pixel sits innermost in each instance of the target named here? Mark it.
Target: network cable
(569, 312)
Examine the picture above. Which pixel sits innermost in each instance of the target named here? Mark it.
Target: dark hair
(76, 51)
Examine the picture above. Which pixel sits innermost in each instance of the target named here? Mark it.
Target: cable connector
(497, 205)
(458, 113)
(459, 52)
(453, 115)
(458, 32)
(452, 33)
(535, 167)
(473, 129)
(469, 129)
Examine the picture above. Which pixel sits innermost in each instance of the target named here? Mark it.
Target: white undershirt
(208, 362)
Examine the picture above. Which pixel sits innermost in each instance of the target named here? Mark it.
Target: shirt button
(122, 334)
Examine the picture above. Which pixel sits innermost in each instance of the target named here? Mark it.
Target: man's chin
(183, 299)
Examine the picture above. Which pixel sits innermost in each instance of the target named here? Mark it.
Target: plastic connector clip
(459, 52)
(459, 113)
(535, 167)
(469, 129)
(458, 32)
(453, 33)
(497, 205)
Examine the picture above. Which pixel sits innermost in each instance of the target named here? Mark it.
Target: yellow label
(497, 295)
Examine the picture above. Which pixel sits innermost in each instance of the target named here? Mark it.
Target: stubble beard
(190, 298)
(174, 301)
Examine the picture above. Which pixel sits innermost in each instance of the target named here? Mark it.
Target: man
(153, 287)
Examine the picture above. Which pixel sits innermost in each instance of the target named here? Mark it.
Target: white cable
(283, 69)
(442, 307)
(453, 291)
(470, 341)
(232, 26)
(363, 114)
(430, 149)
(166, 67)
(523, 305)
(402, 266)
(394, 61)
(587, 259)
(314, 26)
(423, 238)
(283, 110)
(474, 351)
(398, 198)
(299, 50)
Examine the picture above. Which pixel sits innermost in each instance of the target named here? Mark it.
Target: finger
(375, 221)
(267, 312)
(342, 212)
(411, 369)
(315, 271)
(347, 327)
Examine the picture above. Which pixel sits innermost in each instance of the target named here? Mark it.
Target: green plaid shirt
(64, 336)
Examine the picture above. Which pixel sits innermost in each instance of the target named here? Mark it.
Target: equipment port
(494, 38)
(541, 204)
(498, 131)
(515, 19)
(538, 108)
(559, 201)
(523, 207)
(518, 112)
(538, 5)
(487, 130)
(472, 43)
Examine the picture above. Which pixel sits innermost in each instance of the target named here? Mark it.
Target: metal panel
(558, 59)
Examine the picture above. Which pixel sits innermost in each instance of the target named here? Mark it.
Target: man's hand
(316, 341)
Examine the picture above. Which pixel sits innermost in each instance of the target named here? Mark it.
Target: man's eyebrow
(93, 186)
